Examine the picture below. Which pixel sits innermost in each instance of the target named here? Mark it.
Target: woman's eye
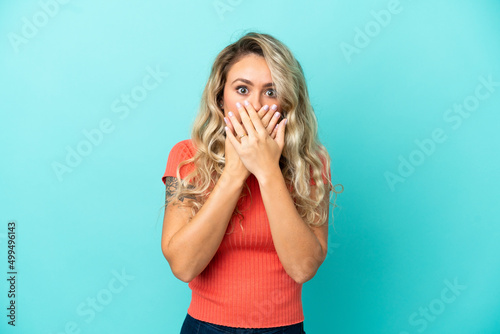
(273, 92)
(242, 88)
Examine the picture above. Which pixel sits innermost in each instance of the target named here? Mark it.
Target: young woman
(247, 197)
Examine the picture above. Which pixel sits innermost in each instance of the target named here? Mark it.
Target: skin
(249, 79)
(189, 246)
(255, 86)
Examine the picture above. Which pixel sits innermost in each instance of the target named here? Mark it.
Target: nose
(255, 102)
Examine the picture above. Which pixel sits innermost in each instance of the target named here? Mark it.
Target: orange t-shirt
(244, 285)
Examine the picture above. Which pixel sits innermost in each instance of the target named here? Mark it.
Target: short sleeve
(181, 151)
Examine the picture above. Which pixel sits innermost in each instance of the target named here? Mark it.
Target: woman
(254, 160)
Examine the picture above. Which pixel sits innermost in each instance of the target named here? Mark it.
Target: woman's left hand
(257, 150)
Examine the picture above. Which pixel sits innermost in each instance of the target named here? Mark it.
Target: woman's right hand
(270, 119)
(234, 167)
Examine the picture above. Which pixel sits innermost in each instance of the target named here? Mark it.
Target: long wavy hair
(303, 156)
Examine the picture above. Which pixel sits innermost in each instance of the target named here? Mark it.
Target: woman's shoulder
(185, 148)
(181, 151)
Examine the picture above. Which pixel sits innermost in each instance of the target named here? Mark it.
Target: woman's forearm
(298, 248)
(192, 247)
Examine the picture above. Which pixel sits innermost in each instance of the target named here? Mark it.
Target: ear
(220, 103)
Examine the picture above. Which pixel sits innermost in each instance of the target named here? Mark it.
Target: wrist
(269, 176)
(232, 180)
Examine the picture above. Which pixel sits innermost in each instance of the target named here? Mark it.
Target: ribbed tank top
(244, 285)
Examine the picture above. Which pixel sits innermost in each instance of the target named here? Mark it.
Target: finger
(229, 135)
(274, 132)
(256, 120)
(274, 121)
(228, 124)
(229, 149)
(263, 111)
(267, 117)
(245, 119)
(280, 136)
(254, 117)
(239, 130)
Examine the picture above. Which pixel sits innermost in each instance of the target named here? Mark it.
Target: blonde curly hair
(303, 157)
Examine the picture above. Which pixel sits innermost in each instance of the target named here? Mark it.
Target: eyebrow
(269, 84)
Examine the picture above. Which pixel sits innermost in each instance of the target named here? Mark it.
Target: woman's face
(249, 79)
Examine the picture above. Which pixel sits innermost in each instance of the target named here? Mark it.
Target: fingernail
(238, 105)
(230, 114)
(246, 102)
(227, 129)
(225, 120)
(274, 107)
(277, 114)
(286, 120)
(266, 107)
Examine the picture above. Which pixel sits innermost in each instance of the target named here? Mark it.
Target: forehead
(252, 67)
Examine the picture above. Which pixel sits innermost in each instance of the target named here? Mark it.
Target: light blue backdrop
(93, 94)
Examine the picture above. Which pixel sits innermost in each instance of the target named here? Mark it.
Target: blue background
(395, 247)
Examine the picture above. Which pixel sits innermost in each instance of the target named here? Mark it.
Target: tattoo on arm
(171, 186)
